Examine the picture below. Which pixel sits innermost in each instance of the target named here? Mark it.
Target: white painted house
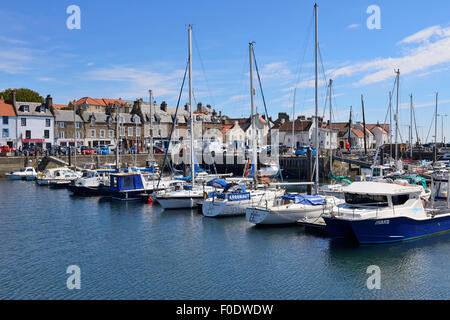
(35, 123)
(8, 125)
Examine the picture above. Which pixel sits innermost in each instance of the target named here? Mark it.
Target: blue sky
(125, 48)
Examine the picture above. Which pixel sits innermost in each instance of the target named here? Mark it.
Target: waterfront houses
(35, 123)
(68, 128)
(8, 125)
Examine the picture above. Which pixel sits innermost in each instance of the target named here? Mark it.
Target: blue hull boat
(383, 231)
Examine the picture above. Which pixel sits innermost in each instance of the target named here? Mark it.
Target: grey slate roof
(33, 109)
(66, 116)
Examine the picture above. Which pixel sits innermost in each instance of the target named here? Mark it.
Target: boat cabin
(379, 194)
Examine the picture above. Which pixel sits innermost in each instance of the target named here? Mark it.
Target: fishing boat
(27, 173)
(290, 208)
(58, 177)
(375, 213)
(135, 185)
(89, 183)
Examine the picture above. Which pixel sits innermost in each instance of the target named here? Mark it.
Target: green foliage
(23, 95)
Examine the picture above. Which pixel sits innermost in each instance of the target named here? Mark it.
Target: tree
(23, 95)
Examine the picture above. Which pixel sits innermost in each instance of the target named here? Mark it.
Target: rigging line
(203, 68)
(431, 125)
(415, 124)
(173, 125)
(265, 106)
(299, 67)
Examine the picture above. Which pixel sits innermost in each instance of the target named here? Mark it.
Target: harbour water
(138, 251)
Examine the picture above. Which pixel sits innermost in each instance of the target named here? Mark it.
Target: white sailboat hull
(223, 208)
(282, 215)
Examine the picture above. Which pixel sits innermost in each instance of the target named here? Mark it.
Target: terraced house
(8, 125)
(35, 123)
(68, 128)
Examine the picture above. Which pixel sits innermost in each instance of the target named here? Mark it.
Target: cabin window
(376, 172)
(366, 199)
(400, 199)
(128, 182)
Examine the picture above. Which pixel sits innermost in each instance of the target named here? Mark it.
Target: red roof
(358, 133)
(98, 102)
(6, 109)
(59, 106)
(226, 127)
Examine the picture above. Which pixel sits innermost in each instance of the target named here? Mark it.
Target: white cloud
(353, 26)
(12, 41)
(427, 55)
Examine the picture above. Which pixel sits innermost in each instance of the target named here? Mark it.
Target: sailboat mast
(410, 128)
(293, 121)
(390, 126)
(151, 127)
(435, 130)
(396, 119)
(364, 125)
(252, 117)
(191, 111)
(331, 129)
(316, 119)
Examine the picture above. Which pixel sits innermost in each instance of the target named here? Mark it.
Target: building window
(46, 134)
(110, 133)
(130, 131)
(78, 125)
(61, 124)
(62, 135)
(138, 132)
(5, 120)
(159, 132)
(121, 120)
(23, 122)
(93, 133)
(122, 131)
(42, 109)
(28, 134)
(92, 122)
(5, 133)
(102, 133)
(78, 135)
(26, 108)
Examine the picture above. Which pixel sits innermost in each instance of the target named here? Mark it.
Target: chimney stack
(49, 102)
(163, 106)
(13, 98)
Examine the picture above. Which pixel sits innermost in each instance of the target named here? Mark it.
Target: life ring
(424, 201)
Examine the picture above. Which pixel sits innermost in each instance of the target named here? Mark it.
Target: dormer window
(26, 108)
(92, 122)
(42, 109)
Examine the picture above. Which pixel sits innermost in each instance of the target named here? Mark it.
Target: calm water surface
(138, 251)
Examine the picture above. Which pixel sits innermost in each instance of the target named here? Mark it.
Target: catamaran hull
(389, 230)
(278, 215)
(179, 202)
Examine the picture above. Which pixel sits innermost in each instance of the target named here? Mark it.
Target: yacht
(235, 198)
(375, 213)
(89, 183)
(291, 208)
(58, 177)
(27, 173)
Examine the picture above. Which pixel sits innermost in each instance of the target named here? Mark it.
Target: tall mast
(151, 127)
(410, 128)
(117, 136)
(331, 129)
(252, 118)
(364, 125)
(316, 118)
(293, 121)
(435, 130)
(396, 119)
(74, 137)
(390, 126)
(191, 113)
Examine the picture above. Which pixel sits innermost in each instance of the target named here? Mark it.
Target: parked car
(6, 148)
(283, 149)
(30, 151)
(103, 150)
(85, 150)
(157, 149)
(134, 150)
(301, 151)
